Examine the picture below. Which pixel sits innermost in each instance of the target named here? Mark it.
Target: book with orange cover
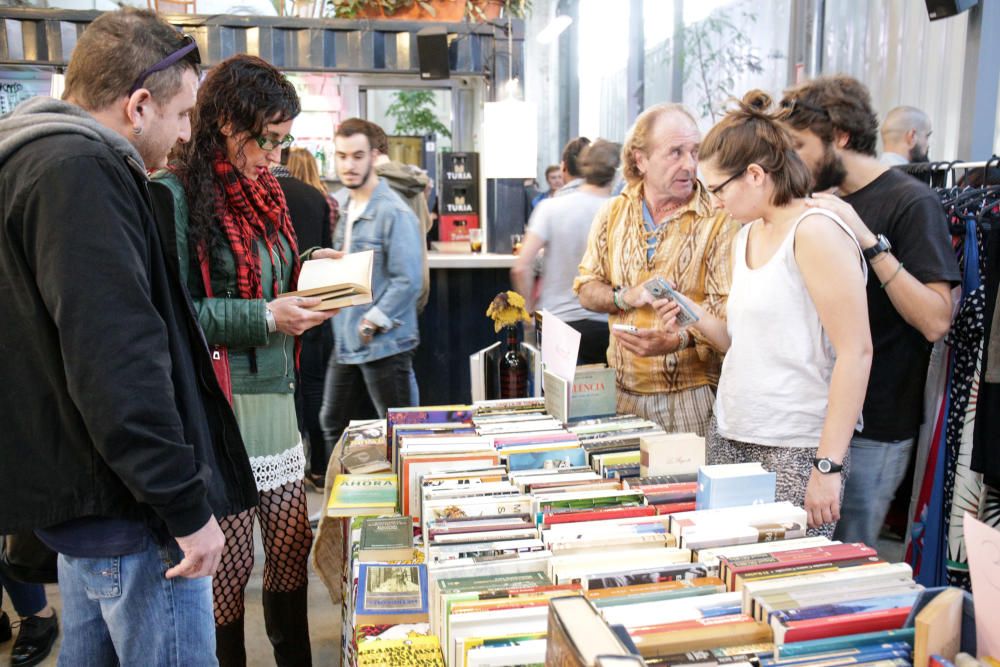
(709, 584)
(695, 635)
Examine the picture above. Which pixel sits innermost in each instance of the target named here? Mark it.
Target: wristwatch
(881, 245)
(272, 325)
(826, 466)
(684, 339)
(618, 297)
(367, 330)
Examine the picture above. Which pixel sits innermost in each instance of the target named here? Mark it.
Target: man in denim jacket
(374, 345)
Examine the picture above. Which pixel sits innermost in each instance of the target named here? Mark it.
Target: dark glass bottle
(513, 369)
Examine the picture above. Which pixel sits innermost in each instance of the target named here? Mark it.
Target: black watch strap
(826, 466)
(881, 245)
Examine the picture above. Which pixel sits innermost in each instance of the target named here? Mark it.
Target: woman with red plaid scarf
(232, 218)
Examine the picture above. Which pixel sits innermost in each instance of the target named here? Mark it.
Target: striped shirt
(693, 251)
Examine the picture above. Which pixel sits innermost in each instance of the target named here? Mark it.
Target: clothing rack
(925, 166)
(943, 174)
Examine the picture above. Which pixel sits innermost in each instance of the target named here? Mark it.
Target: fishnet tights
(287, 537)
(230, 580)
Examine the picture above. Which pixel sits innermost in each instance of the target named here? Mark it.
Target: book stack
(668, 493)
(524, 541)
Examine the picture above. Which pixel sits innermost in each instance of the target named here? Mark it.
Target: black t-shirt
(910, 215)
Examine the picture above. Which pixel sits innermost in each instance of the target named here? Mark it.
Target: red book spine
(678, 487)
(846, 624)
(834, 553)
(673, 508)
(691, 624)
(598, 515)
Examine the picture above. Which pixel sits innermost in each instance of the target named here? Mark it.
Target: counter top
(489, 260)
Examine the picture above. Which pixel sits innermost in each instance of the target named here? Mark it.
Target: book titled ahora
(362, 495)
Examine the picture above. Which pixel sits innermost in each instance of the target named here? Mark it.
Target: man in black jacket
(118, 446)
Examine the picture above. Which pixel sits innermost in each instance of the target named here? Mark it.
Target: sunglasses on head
(792, 105)
(188, 49)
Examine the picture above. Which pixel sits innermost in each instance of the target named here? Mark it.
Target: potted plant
(449, 11)
(413, 111)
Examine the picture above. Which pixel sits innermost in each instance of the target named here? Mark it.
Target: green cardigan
(238, 324)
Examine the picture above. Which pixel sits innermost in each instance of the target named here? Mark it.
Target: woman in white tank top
(798, 348)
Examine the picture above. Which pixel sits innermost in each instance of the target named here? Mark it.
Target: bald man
(905, 135)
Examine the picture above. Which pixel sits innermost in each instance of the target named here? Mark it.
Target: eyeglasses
(718, 188)
(271, 144)
(188, 50)
(791, 105)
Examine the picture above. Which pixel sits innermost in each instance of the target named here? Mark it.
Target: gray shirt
(564, 224)
(892, 159)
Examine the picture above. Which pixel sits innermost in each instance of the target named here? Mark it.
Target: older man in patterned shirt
(661, 225)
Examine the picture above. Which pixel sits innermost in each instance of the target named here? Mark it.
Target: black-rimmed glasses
(791, 105)
(189, 49)
(718, 188)
(270, 144)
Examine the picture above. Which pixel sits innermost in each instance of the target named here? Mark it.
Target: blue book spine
(845, 657)
(555, 459)
(814, 646)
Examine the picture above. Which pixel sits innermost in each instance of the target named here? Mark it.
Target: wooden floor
(324, 619)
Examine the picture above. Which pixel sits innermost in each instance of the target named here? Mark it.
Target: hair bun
(756, 102)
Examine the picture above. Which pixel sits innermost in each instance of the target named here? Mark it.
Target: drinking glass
(516, 241)
(476, 239)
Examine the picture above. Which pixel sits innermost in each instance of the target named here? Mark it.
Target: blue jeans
(123, 610)
(877, 468)
(28, 599)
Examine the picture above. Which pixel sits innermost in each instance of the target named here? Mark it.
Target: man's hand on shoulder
(202, 552)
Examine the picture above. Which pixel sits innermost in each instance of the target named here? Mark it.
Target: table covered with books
(495, 534)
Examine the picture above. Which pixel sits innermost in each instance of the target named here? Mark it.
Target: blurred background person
(572, 177)
(314, 215)
(560, 226)
(554, 179)
(906, 133)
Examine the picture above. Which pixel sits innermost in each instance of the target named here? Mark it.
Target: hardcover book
(671, 454)
(386, 538)
(577, 634)
(391, 594)
(734, 485)
(592, 393)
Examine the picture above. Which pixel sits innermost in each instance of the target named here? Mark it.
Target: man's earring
(137, 131)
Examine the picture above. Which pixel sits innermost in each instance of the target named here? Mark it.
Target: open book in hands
(339, 282)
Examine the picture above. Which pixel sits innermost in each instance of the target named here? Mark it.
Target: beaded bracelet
(893, 276)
